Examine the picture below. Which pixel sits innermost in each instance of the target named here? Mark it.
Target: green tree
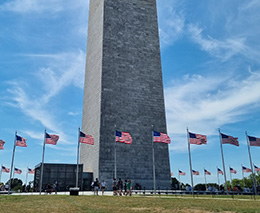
(16, 183)
(200, 187)
(175, 183)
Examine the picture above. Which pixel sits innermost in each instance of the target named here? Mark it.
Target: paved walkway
(108, 193)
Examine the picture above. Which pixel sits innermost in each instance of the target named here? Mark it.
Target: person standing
(129, 188)
(103, 186)
(56, 186)
(114, 186)
(6, 187)
(96, 186)
(125, 189)
(120, 186)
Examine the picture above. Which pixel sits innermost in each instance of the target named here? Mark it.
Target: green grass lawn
(63, 203)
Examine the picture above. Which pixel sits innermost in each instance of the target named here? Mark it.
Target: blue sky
(210, 59)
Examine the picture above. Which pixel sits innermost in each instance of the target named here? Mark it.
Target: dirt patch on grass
(140, 209)
(161, 210)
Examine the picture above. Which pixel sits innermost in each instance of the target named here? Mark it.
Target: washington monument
(123, 91)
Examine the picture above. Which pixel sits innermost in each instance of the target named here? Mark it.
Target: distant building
(64, 174)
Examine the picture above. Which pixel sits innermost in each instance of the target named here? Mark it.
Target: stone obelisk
(123, 87)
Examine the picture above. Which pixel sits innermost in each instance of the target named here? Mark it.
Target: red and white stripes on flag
(245, 169)
(20, 141)
(2, 144)
(4, 169)
(123, 137)
(159, 137)
(254, 141)
(220, 171)
(171, 174)
(17, 171)
(256, 168)
(182, 173)
(232, 170)
(197, 139)
(30, 171)
(51, 139)
(207, 172)
(195, 172)
(227, 139)
(87, 139)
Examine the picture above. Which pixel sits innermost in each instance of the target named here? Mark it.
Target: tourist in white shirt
(103, 186)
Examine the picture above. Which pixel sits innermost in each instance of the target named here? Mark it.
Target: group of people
(52, 187)
(119, 187)
(96, 185)
(4, 187)
(26, 188)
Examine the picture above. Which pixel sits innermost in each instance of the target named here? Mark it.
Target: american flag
(195, 172)
(232, 170)
(17, 171)
(171, 174)
(123, 137)
(4, 169)
(197, 139)
(182, 173)
(159, 137)
(51, 139)
(84, 138)
(220, 172)
(20, 141)
(254, 141)
(2, 144)
(226, 139)
(256, 168)
(30, 171)
(244, 169)
(207, 172)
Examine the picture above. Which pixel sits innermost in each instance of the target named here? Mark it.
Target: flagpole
(224, 169)
(43, 152)
(243, 177)
(256, 182)
(26, 177)
(14, 172)
(191, 175)
(154, 178)
(205, 179)
(1, 172)
(12, 164)
(251, 164)
(179, 179)
(218, 179)
(230, 178)
(115, 153)
(77, 172)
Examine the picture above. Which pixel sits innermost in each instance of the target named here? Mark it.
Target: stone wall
(131, 92)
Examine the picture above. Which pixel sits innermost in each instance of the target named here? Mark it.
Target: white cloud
(253, 4)
(206, 103)
(42, 6)
(73, 113)
(222, 49)
(171, 22)
(228, 32)
(34, 135)
(24, 6)
(35, 110)
(64, 70)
